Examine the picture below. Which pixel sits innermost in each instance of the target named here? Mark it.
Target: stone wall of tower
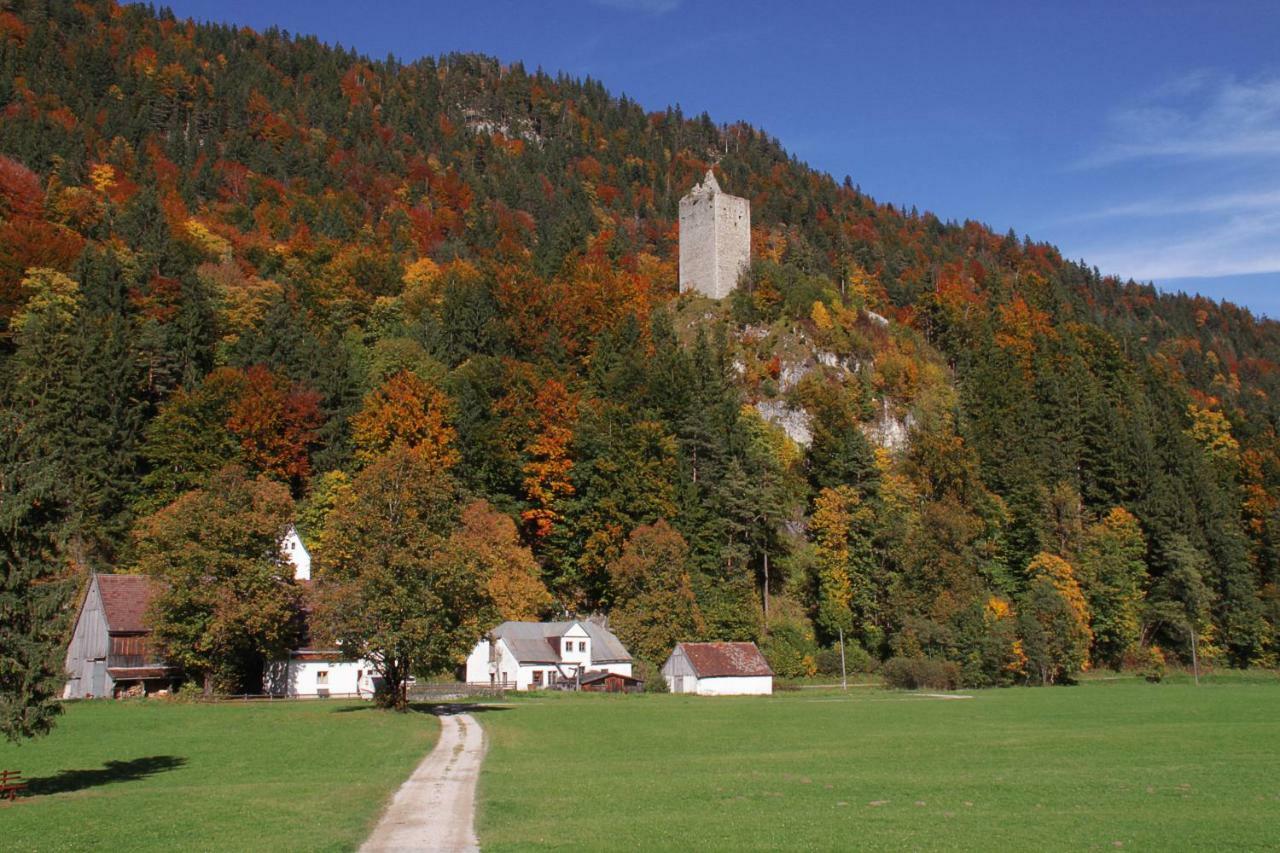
(733, 241)
(698, 243)
(715, 239)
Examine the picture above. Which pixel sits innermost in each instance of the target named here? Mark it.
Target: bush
(919, 672)
(856, 660)
(1147, 661)
(652, 675)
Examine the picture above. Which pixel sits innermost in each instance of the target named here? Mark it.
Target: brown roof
(601, 675)
(716, 660)
(124, 602)
(131, 673)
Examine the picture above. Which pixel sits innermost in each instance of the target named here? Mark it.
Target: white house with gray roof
(534, 655)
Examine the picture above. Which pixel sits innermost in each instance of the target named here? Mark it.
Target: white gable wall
(296, 554)
(507, 669)
(575, 646)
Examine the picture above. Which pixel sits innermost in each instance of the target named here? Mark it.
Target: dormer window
(582, 646)
(568, 646)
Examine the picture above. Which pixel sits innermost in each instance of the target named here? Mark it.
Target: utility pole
(1195, 659)
(766, 589)
(844, 678)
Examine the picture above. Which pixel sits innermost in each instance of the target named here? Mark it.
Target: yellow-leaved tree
(1054, 620)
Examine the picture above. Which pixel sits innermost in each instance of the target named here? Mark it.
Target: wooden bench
(10, 784)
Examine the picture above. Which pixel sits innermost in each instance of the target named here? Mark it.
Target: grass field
(164, 776)
(1106, 765)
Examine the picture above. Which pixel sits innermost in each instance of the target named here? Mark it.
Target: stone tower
(715, 239)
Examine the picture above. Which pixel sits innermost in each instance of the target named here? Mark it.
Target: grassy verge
(1105, 765)
(162, 776)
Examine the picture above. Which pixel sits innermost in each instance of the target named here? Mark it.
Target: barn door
(98, 680)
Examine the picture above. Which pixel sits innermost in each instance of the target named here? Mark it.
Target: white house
(532, 655)
(718, 669)
(319, 673)
(296, 554)
(308, 671)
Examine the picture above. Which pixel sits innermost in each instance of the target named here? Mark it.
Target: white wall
(508, 668)
(477, 669)
(619, 668)
(756, 685)
(300, 678)
(296, 554)
(577, 637)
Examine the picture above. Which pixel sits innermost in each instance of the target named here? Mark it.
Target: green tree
(227, 598)
(1113, 572)
(654, 605)
(35, 591)
(391, 588)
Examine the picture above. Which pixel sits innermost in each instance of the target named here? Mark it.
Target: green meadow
(1116, 764)
(1109, 764)
(309, 775)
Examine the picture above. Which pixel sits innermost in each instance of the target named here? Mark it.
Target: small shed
(718, 669)
(600, 681)
(111, 653)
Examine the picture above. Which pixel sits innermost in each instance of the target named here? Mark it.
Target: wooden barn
(600, 681)
(718, 669)
(110, 652)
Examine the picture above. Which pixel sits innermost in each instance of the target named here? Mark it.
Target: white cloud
(1190, 181)
(1235, 246)
(1201, 116)
(1173, 206)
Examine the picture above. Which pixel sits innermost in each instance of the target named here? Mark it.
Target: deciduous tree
(227, 598)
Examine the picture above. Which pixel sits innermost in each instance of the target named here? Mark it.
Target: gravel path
(436, 808)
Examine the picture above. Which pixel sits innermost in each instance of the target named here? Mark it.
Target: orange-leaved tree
(405, 410)
(276, 422)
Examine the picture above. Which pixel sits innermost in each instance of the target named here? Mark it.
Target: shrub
(920, 672)
(1147, 661)
(856, 660)
(652, 675)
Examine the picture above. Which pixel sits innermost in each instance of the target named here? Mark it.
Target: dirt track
(435, 809)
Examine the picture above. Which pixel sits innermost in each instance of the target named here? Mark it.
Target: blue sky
(1142, 137)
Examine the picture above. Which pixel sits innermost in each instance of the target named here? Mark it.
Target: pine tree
(35, 590)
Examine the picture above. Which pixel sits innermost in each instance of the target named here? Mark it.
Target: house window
(537, 678)
(322, 677)
(582, 646)
(568, 646)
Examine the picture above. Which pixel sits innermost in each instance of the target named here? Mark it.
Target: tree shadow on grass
(436, 708)
(439, 708)
(65, 781)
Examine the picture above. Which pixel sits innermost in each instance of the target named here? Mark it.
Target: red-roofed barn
(718, 669)
(110, 651)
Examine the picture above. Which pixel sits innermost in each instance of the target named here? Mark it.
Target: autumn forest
(248, 280)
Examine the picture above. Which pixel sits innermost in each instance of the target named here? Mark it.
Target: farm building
(602, 681)
(110, 652)
(318, 673)
(718, 669)
(534, 655)
(313, 670)
(296, 554)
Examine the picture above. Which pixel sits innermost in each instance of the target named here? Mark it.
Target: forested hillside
(243, 270)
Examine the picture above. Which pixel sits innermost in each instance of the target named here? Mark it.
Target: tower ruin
(715, 239)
